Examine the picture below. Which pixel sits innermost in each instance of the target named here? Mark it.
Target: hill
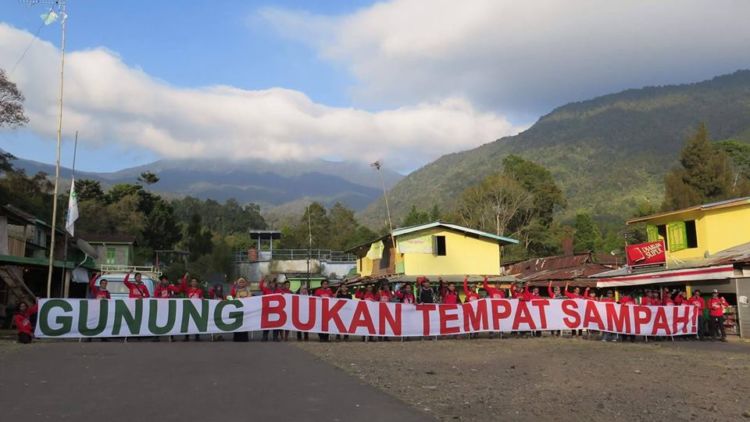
(608, 153)
(269, 184)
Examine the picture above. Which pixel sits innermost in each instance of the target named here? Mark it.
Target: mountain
(608, 153)
(271, 185)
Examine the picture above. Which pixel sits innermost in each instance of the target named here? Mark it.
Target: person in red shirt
(360, 293)
(191, 291)
(576, 294)
(589, 294)
(323, 291)
(493, 292)
(385, 295)
(136, 290)
(303, 291)
(270, 288)
(22, 319)
(470, 294)
(679, 298)
(609, 296)
(698, 301)
(449, 295)
(216, 292)
(98, 292)
(165, 290)
(285, 288)
(405, 294)
(716, 306)
(369, 294)
(628, 300)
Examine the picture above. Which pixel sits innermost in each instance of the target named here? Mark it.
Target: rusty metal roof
(558, 268)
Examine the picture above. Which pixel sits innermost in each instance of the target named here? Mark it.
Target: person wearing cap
(697, 301)
(716, 306)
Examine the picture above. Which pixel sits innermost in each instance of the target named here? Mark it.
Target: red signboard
(650, 253)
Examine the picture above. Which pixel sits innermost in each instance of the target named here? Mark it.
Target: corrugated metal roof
(558, 268)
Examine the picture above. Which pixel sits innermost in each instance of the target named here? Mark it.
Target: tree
(11, 103)
(416, 217)
(587, 236)
(548, 197)
(88, 189)
(148, 178)
(739, 155)
(704, 174)
(197, 238)
(161, 230)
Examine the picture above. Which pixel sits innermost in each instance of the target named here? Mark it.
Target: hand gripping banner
(72, 318)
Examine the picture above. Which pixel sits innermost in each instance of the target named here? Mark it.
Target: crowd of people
(422, 291)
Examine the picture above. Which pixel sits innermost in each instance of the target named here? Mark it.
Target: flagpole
(66, 285)
(59, 143)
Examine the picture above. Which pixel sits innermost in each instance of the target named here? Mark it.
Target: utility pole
(60, 6)
(377, 165)
(65, 285)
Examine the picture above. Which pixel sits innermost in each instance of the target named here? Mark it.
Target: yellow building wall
(727, 227)
(716, 230)
(364, 266)
(464, 255)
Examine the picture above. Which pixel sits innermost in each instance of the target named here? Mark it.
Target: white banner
(66, 318)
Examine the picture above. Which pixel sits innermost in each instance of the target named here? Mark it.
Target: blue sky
(405, 81)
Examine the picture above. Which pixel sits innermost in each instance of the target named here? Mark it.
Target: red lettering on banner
(426, 308)
(311, 306)
(393, 321)
(591, 315)
(618, 322)
(445, 318)
(570, 308)
(683, 319)
(660, 322)
(497, 315)
(523, 316)
(362, 318)
(272, 305)
(475, 319)
(331, 313)
(695, 319)
(541, 305)
(642, 316)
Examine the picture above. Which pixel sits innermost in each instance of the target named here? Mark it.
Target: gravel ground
(553, 378)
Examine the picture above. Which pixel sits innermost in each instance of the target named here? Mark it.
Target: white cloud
(523, 57)
(110, 102)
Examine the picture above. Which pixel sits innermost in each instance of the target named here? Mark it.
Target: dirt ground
(553, 378)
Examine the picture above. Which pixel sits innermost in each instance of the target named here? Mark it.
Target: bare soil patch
(554, 378)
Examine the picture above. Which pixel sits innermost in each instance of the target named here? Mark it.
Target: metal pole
(309, 244)
(65, 286)
(57, 164)
(387, 207)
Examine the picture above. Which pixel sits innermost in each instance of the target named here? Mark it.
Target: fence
(297, 254)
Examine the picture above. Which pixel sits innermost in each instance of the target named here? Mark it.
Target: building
(435, 249)
(561, 270)
(113, 249)
(24, 252)
(697, 232)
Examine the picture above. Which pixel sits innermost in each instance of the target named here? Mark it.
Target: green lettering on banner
(153, 310)
(83, 317)
(190, 312)
(132, 320)
(66, 322)
(236, 316)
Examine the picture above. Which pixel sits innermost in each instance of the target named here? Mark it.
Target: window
(440, 246)
(662, 230)
(692, 235)
(111, 256)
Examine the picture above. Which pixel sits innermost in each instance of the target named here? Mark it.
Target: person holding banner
(269, 289)
(240, 289)
(192, 291)
(628, 299)
(323, 291)
(716, 306)
(22, 319)
(303, 291)
(448, 295)
(405, 294)
(555, 293)
(136, 290)
(609, 297)
(370, 296)
(576, 294)
(342, 292)
(697, 301)
(426, 294)
(101, 291)
(492, 292)
(470, 294)
(165, 290)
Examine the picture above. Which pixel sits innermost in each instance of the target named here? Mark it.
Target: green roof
(42, 262)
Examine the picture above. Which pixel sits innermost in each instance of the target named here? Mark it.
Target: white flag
(72, 209)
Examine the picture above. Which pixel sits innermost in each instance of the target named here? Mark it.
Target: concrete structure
(699, 231)
(434, 249)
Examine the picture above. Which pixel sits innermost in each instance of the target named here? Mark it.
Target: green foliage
(416, 217)
(225, 219)
(197, 238)
(89, 190)
(11, 103)
(334, 229)
(606, 154)
(704, 175)
(148, 178)
(587, 237)
(739, 154)
(161, 229)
